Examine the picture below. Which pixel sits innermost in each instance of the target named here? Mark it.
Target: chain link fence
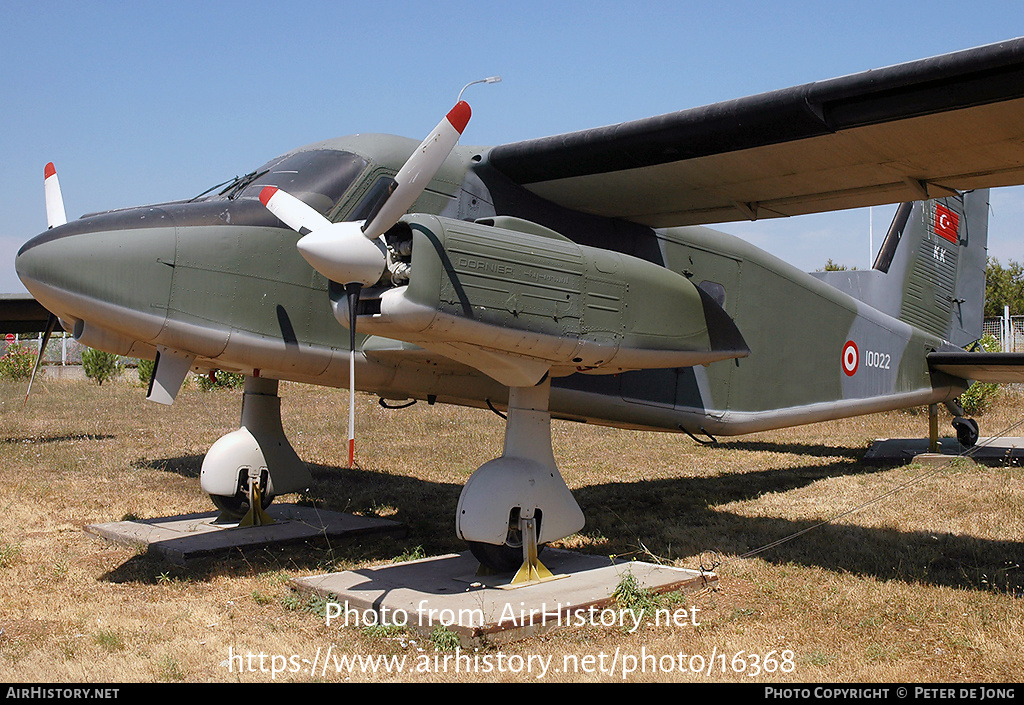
(1008, 331)
(62, 349)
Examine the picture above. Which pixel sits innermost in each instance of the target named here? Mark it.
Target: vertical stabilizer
(930, 270)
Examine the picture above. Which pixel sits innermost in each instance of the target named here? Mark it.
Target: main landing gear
(967, 431)
(514, 504)
(245, 469)
(509, 508)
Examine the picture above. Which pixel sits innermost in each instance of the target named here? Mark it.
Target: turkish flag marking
(947, 223)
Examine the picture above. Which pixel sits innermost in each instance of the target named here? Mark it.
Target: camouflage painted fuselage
(220, 278)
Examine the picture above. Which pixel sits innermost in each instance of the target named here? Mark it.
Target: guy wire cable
(912, 481)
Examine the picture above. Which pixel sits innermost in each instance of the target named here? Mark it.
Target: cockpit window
(318, 177)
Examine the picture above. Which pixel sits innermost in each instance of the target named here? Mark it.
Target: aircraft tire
(501, 559)
(236, 506)
(967, 431)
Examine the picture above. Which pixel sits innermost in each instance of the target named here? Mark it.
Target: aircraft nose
(112, 270)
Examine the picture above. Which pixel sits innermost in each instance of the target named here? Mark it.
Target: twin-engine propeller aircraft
(568, 277)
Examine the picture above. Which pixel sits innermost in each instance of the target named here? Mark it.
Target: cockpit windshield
(319, 177)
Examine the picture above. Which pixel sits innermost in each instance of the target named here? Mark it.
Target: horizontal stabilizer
(997, 367)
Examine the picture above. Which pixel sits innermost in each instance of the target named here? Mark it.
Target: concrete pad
(988, 451)
(444, 591)
(938, 460)
(188, 536)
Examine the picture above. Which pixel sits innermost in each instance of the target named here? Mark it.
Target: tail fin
(930, 270)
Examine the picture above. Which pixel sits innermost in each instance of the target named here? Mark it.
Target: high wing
(907, 132)
(20, 313)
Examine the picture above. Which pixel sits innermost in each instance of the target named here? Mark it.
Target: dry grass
(924, 585)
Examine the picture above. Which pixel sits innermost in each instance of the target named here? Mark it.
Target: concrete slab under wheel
(180, 538)
(445, 591)
(987, 451)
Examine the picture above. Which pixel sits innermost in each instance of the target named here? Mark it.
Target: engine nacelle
(521, 290)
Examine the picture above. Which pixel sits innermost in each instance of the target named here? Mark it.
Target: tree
(831, 266)
(145, 371)
(1004, 286)
(220, 379)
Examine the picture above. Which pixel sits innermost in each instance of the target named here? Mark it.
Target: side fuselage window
(318, 177)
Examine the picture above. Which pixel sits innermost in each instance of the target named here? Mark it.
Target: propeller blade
(421, 167)
(51, 324)
(297, 215)
(352, 290)
(55, 215)
(352, 253)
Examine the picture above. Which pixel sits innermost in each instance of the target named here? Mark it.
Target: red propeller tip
(50, 170)
(267, 193)
(459, 116)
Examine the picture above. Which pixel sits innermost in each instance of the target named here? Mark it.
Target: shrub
(444, 639)
(221, 380)
(980, 395)
(100, 365)
(145, 370)
(17, 362)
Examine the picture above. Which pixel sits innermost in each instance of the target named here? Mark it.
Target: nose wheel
(496, 559)
(236, 507)
(247, 506)
(509, 556)
(245, 469)
(520, 553)
(532, 569)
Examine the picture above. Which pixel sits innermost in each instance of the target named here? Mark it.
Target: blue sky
(147, 102)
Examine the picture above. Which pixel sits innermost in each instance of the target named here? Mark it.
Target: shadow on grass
(185, 465)
(813, 449)
(677, 519)
(674, 519)
(57, 439)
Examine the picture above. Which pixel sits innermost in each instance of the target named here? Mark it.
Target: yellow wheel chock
(532, 569)
(256, 516)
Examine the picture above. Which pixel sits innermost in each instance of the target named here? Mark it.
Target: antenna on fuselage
(489, 79)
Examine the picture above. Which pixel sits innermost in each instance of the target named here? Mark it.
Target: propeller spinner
(339, 251)
(353, 254)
